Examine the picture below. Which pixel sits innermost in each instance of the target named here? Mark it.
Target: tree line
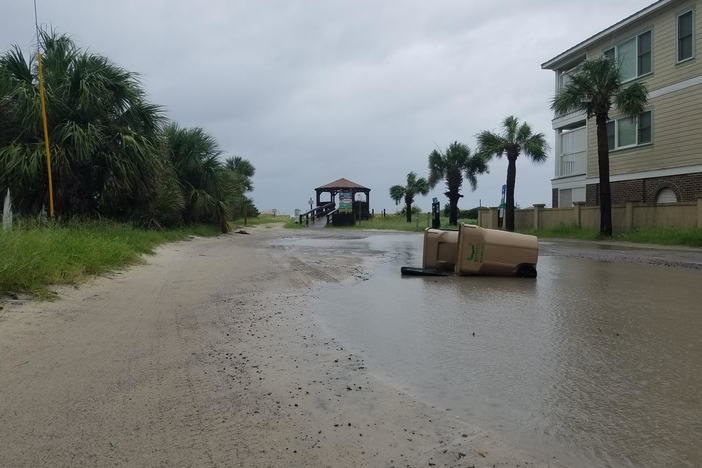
(457, 162)
(596, 88)
(114, 154)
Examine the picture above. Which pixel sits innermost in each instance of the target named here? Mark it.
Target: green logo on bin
(476, 254)
(472, 252)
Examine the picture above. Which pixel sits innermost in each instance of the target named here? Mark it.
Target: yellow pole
(46, 135)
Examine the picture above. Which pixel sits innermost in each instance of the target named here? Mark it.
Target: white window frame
(677, 35)
(636, 127)
(636, 55)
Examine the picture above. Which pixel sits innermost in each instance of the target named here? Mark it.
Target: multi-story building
(658, 157)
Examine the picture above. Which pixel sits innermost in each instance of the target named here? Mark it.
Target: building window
(644, 54)
(565, 198)
(635, 56)
(627, 133)
(666, 195)
(685, 36)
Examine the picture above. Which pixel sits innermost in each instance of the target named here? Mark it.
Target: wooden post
(494, 218)
(537, 215)
(629, 216)
(576, 213)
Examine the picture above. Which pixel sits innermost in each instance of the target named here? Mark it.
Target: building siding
(677, 137)
(664, 26)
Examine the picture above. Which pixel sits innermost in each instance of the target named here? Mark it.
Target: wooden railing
(330, 214)
(317, 212)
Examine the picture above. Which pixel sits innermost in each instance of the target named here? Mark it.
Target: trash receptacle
(495, 253)
(440, 249)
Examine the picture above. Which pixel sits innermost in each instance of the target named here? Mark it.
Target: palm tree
(243, 169)
(415, 186)
(595, 86)
(512, 141)
(104, 135)
(209, 189)
(451, 165)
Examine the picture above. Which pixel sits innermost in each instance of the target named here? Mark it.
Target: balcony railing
(573, 164)
(567, 168)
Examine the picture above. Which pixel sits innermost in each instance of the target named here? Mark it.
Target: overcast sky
(312, 91)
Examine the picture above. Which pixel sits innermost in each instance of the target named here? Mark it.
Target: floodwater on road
(596, 363)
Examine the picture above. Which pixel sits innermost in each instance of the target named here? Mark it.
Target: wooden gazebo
(338, 186)
(348, 210)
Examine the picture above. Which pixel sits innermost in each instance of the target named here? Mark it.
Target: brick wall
(687, 188)
(554, 198)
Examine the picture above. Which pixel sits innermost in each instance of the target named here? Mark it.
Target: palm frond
(475, 166)
(632, 100)
(437, 168)
(510, 126)
(536, 148)
(397, 193)
(491, 144)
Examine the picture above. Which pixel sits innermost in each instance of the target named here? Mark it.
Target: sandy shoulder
(209, 356)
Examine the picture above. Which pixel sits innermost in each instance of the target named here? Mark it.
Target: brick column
(629, 216)
(537, 217)
(576, 212)
(494, 216)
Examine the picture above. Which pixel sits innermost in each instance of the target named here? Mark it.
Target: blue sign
(435, 200)
(502, 202)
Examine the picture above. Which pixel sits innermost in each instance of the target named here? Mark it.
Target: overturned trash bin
(440, 249)
(495, 253)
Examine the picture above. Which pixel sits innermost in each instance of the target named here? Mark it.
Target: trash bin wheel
(526, 271)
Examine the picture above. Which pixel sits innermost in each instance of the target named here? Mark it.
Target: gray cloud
(311, 91)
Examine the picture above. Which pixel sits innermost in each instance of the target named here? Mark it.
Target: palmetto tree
(451, 165)
(595, 87)
(106, 157)
(242, 171)
(209, 189)
(513, 140)
(415, 186)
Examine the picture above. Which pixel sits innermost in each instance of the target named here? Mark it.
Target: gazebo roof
(342, 184)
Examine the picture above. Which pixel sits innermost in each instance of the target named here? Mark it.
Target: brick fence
(625, 216)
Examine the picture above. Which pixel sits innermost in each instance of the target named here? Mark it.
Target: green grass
(291, 224)
(395, 222)
(691, 237)
(32, 256)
